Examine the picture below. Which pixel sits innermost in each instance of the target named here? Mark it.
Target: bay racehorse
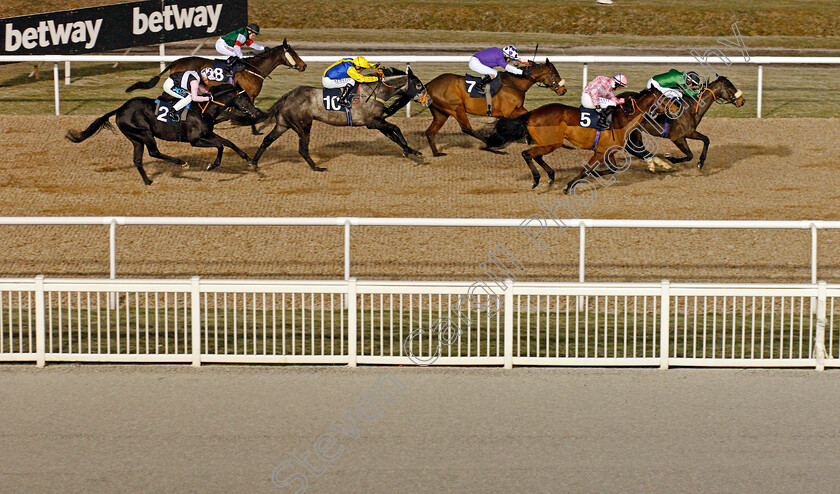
(298, 108)
(451, 99)
(691, 112)
(254, 69)
(550, 124)
(137, 120)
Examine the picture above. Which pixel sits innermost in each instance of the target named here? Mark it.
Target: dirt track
(768, 169)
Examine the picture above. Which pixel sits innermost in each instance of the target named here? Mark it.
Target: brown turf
(756, 169)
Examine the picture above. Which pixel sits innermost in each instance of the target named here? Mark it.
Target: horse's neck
(707, 98)
(521, 82)
(386, 92)
(268, 62)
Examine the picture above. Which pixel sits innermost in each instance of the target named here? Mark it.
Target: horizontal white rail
(409, 59)
(348, 222)
(400, 323)
(384, 58)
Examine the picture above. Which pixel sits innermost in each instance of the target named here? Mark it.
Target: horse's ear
(409, 71)
(284, 42)
(546, 61)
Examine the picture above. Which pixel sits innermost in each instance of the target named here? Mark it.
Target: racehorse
(299, 107)
(550, 124)
(685, 125)
(451, 99)
(136, 119)
(250, 77)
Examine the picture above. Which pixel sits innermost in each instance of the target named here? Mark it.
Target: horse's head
(546, 75)
(417, 90)
(408, 83)
(236, 97)
(727, 92)
(286, 55)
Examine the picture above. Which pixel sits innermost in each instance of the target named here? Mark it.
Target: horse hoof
(185, 165)
(566, 191)
(319, 169)
(213, 166)
(700, 166)
(438, 154)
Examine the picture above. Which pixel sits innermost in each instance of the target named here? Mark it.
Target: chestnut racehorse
(250, 78)
(550, 124)
(450, 97)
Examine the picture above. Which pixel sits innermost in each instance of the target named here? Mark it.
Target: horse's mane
(392, 71)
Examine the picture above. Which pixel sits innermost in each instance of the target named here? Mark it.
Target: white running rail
(354, 322)
(409, 59)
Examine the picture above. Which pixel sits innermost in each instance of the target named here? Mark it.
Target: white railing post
(347, 249)
(584, 75)
(195, 312)
(813, 253)
(508, 308)
(40, 323)
(67, 73)
(758, 98)
(408, 106)
(112, 260)
(582, 254)
(55, 87)
(162, 53)
(664, 322)
(819, 338)
(351, 322)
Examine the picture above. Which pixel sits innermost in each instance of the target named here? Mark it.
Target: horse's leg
(154, 152)
(138, 160)
(698, 136)
(536, 153)
(303, 145)
(394, 133)
(272, 136)
(682, 145)
(464, 122)
(254, 130)
(438, 119)
(588, 169)
(218, 142)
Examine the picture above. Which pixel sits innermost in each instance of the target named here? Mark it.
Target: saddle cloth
(219, 72)
(588, 118)
(162, 111)
(330, 98)
(471, 83)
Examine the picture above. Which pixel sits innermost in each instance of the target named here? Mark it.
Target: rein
(697, 105)
(207, 103)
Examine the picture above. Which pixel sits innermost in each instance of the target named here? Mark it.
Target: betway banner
(120, 26)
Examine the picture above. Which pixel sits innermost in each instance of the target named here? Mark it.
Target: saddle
(162, 109)
(471, 84)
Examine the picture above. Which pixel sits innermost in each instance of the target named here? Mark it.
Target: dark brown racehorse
(550, 124)
(250, 78)
(450, 98)
(685, 126)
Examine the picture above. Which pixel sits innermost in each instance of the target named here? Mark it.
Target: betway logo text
(48, 34)
(174, 18)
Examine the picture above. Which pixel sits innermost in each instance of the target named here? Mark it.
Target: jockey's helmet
(693, 80)
(510, 52)
(620, 79)
(253, 28)
(362, 62)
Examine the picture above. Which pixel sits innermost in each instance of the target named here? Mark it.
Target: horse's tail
(96, 126)
(150, 83)
(507, 130)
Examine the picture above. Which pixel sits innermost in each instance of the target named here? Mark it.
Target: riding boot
(344, 99)
(479, 87)
(604, 117)
(174, 115)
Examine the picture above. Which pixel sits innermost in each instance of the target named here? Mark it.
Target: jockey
(345, 74)
(230, 44)
(598, 94)
(673, 84)
(184, 86)
(485, 61)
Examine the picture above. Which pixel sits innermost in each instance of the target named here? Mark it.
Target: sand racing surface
(756, 169)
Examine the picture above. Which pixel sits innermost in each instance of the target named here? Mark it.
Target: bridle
(729, 101)
(382, 76)
(553, 84)
(207, 103)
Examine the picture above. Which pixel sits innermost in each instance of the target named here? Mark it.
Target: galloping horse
(250, 78)
(450, 98)
(136, 119)
(548, 125)
(298, 108)
(685, 126)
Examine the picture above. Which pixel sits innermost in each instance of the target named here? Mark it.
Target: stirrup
(174, 115)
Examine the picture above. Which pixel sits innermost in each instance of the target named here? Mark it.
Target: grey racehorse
(298, 108)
